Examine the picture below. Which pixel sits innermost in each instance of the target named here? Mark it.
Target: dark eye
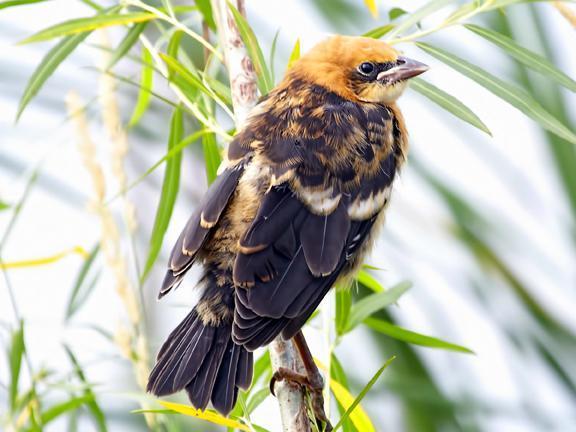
(366, 68)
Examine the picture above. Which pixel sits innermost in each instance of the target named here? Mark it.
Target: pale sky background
(509, 174)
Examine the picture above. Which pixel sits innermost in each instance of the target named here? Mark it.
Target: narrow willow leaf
(212, 157)
(256, 398)
(265, 83)
(81, 25)
(4, 205)
(146, 77)
(369, 281)
(363, 393)
(209, 416)
(95, 411)
(15, 355)
(262, 367)
(372, 7)
(205, 8)
(515, 97)
(528, 58)
(343, 300)
(81, 290)
(337, 373)
(169, 192)
(448, 102)
(375, 302)
(295, 54)
(272, 58)
(12, 3)
(56, 411)
(47, 67)
(409, 336)
(42, 261)
(174, 44)
(126, 44)
(417, 16)
(378, 32)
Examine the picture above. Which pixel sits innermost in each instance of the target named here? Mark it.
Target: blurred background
(482, 226)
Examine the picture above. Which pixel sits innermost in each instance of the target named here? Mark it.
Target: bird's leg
(312, 380)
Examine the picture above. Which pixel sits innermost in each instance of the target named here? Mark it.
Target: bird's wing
(308, 227)
(199, 226)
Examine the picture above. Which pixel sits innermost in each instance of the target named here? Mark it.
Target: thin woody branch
(244, 97)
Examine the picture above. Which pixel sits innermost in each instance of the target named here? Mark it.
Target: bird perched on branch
(295, 208)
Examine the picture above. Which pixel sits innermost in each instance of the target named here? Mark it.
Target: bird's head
(358, 68)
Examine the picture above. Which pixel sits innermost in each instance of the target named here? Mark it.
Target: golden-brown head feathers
(357, 68)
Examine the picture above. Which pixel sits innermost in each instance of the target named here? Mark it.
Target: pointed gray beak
(405, 68)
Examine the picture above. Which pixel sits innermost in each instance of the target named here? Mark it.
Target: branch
(242, 76)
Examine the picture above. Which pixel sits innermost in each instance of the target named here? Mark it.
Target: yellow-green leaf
(209, 416)
(265, 83)
(212, 157)
(146, 78)
(369, 281)
(170, 187)
(80, 25)
(378, 32)
(528, 58)
(41, 261)
(126, 44)
(416, 16)
(356, 402)
(295, 54)
(409, 336)
(511, 94)
(448, 102)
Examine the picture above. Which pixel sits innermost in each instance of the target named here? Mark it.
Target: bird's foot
(314, 384)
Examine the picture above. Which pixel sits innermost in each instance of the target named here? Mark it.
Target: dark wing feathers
(323, 238)
(199, 225)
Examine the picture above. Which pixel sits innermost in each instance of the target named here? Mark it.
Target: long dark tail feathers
(205, 361)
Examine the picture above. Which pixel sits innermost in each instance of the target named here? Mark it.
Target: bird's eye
(366, 68)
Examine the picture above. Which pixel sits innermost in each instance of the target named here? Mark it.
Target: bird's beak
(405, 68)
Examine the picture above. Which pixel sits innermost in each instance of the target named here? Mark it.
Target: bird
(300, 196)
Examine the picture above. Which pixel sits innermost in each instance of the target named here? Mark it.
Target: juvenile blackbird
(296, 206)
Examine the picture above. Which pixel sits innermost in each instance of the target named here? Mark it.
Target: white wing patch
(362, 209)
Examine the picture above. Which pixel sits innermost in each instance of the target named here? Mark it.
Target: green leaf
(126, 44)
(337, 373)
(212, 157)
(369, 281)
(12, 3)
(448, 102)
(396, 13)
(375, 302)
(409, 336)
(343, 307)
(517, 98)
(295, 54)
(528, 58)
(15, 355)
(81, 25)
(378, 32)
(272, 58)
(265, 83)
(205, 8)
(81, 290)
(47, 67)
(262, 367)
(56, 411)
(363, 393)
(4, 205)
(95, 411)
(417, 16)
(146, 77)
(169, 193)
(257, 398)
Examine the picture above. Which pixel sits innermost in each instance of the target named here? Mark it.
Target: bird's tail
(200, 356)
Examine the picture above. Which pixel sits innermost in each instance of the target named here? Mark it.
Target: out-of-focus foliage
(176, 46)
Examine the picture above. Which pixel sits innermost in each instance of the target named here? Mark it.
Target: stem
(293, 408)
